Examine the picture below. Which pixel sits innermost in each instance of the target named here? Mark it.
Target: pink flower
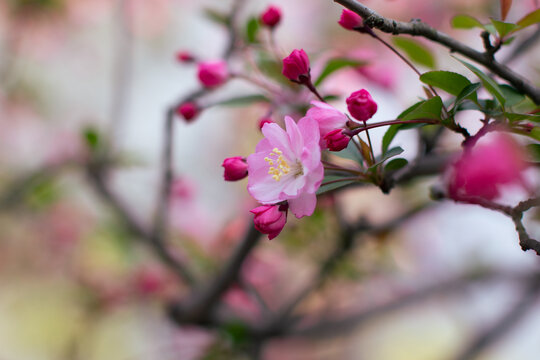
(336, 140)
(350, 20)
(265, 120)
(328, 117)
(296, 66)
(480, 171)
(270, 219)
(185, 57)
(287, 166)
(235, 168)
(213, 73)
(361, 105)
(188, 111)
(271, 16)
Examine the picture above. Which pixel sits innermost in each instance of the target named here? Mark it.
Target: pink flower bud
(361, 105)
(350, 20)
(235, 168)
(481, 170)
(185, 57)
(296, 66)
(213, 73)
(336, 140)
(270, 219)
(265, 120)
(271, 16)
(188, 111)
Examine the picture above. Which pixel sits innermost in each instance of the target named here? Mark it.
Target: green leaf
(465, 22)
(535, 133)
(91, 138)
(529, 19)
(466, 93)
(416, 51)
(242, 100)
(512, 96)
(428, 109)
(396, 164)
(490, 28)
(534, 150)
(389, 135)
(336, 64)
(451, 82)
(488, 82)
(395, 151)
(336, 185)
(252, 29)
(518, 117)
(503, 28)
(350, 152)
(216, 16)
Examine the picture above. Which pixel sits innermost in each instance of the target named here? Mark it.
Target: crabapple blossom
(361, 105)
(188, 111)
(270, 219)
(235, 168)
(481, 170)
(328, 117)
(350, 20)
(271, 16)
(213, 73)
(296, 66)
(286, 166)
(336, 141)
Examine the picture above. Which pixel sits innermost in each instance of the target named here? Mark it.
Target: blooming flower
(328, 117)
(361, 105)
(296, 66)
(235, 168)
(271, 16)
(270, 219)
(188, 111)
(213, 73)
(480, 171)
(350, 20)
(336, 140)
(286, 166)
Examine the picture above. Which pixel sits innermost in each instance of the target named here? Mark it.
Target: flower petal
(304, 205)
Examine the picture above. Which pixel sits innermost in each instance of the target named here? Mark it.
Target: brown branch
(418, 28)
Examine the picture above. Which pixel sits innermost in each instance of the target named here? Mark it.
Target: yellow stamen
(278, 164)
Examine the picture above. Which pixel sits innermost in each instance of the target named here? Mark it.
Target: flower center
(278, 165)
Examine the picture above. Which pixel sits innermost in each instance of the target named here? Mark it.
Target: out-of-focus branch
(418, 28)
(505, 323)
(200, 306)
(96, 175)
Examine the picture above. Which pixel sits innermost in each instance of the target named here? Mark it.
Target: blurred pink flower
(188, 110)
(481, 170)
(235, 168)
(287, 166)
(271, 16)
(213, 73)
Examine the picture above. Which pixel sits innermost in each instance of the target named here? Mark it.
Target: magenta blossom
(328, 117)
(296, 66)
(271, 16)
(270, 219)
(361, 105)
(336, 140)
(286, 166)
(235, 168)
(188, 111)
(350, 20)
(213, 73)
(480, 171)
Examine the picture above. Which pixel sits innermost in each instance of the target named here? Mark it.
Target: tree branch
(418, 28)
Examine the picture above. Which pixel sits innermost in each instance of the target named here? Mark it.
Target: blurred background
(74, 284)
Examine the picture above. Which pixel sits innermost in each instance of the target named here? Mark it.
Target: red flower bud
(350, 20)
(188, 111)
(235, 168)
(361, 105)
(265, 120)
(336, 140)
(270, 219)
(185, 57)
(213, 73)
(271, 16)
(296, 66)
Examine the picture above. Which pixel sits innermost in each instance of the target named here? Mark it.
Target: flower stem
(340, 180)
(391, 122)
(369, 142)
(312, 88)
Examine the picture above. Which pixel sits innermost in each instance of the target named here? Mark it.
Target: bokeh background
(75, 285)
